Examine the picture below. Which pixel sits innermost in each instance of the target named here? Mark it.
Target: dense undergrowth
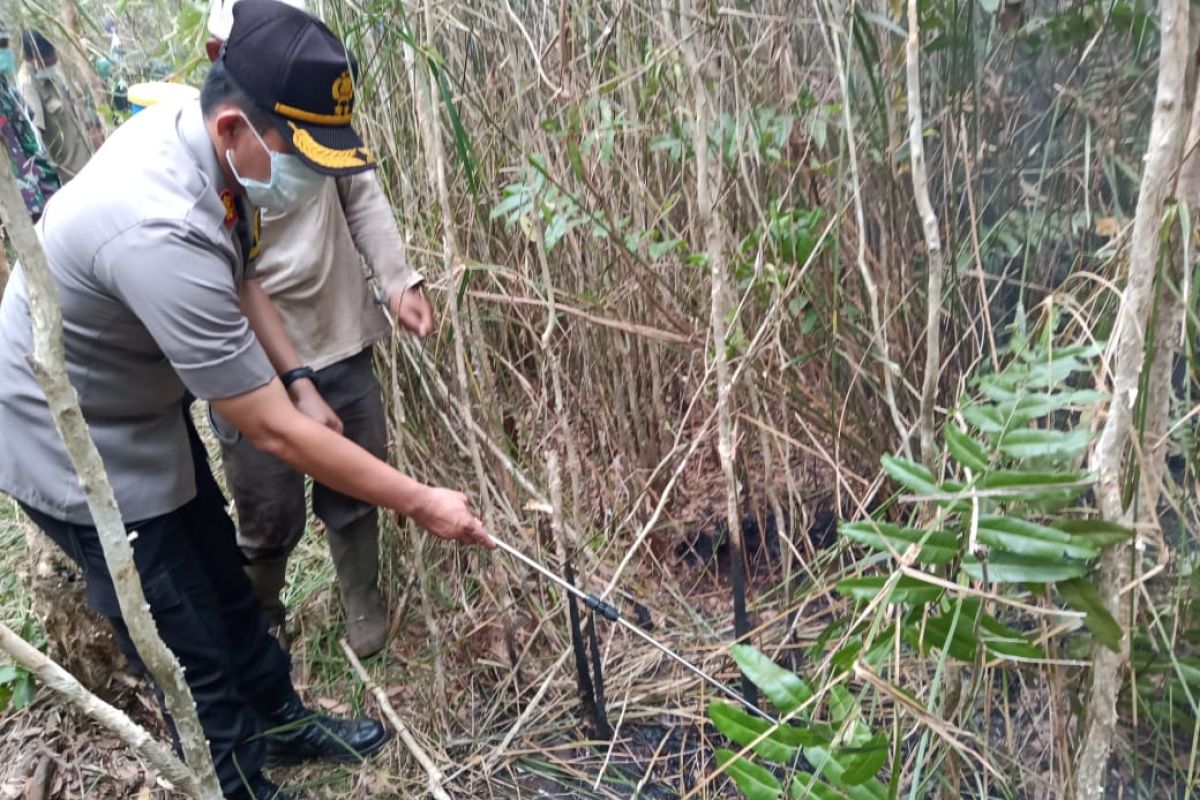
(543, 161)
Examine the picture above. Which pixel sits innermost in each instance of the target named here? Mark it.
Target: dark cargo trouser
(270, 495)
(206, 613)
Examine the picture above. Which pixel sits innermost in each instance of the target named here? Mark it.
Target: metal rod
(610, 613)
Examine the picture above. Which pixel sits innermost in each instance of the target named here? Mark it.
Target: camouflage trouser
(270, 495)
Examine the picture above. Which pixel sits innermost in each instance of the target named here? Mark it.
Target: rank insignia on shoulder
(230, 208)
(256, 235)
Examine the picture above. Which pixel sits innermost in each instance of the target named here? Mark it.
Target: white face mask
(292, 183)
(47, 73)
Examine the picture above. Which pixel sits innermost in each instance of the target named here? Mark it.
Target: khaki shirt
(314, 262)
(54, 113)
(148, 268)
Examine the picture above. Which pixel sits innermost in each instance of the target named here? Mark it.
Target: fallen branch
(436, 779)
(113, 719)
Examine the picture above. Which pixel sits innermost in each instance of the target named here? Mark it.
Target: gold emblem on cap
(343, 94)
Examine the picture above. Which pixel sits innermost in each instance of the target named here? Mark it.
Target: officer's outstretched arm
(269, 420)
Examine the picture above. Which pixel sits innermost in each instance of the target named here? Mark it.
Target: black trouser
(206, 612)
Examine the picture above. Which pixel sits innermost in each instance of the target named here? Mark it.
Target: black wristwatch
(299, 373)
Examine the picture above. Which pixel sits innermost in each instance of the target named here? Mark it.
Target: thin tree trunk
(933, 240)
(708, 174)
(1111, 456)
(936, 264)
(49, 367)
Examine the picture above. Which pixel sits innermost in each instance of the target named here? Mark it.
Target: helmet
(220, 16)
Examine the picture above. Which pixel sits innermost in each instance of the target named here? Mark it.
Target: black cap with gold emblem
(299, 71)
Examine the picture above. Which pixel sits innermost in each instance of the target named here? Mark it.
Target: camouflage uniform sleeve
(31, 166)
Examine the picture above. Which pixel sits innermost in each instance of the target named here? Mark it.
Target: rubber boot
(268, 579)
(355, 551)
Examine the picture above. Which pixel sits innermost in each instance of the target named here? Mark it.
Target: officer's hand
(412, 310)
(446, 513)
(308, 401)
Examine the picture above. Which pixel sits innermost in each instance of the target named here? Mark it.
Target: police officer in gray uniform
(150, 247)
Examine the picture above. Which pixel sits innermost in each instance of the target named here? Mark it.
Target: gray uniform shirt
(148, 272)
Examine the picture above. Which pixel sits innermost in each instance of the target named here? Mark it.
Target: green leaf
(1039, 443)
(462, 141)
(972, 629)
(576, 161)
(990, 420)
(966, 451)
(1040, 404)
(23, 691)
(1001, 640)
(861, 761)
(784, 688)
(1016, 535)
(806, 786)
(841, 704)
(910, 474)
(1099, 532)
(754, 781)
(1013, 568)
(9, 673)
(743, 728)
(512, 205)
(959, 643)
(1036, 485)
(1081, 595)
(915, 477)
(660, 249)
(832, 767)
(907, 590)
(937, 547)
(1050, 373)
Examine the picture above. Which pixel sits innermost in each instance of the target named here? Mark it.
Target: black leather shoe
(259, 788)
(298, 734)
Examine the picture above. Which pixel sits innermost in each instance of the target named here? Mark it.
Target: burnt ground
(49, 751)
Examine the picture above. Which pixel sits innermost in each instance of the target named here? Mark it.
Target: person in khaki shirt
(313, 267)
(45, 91)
